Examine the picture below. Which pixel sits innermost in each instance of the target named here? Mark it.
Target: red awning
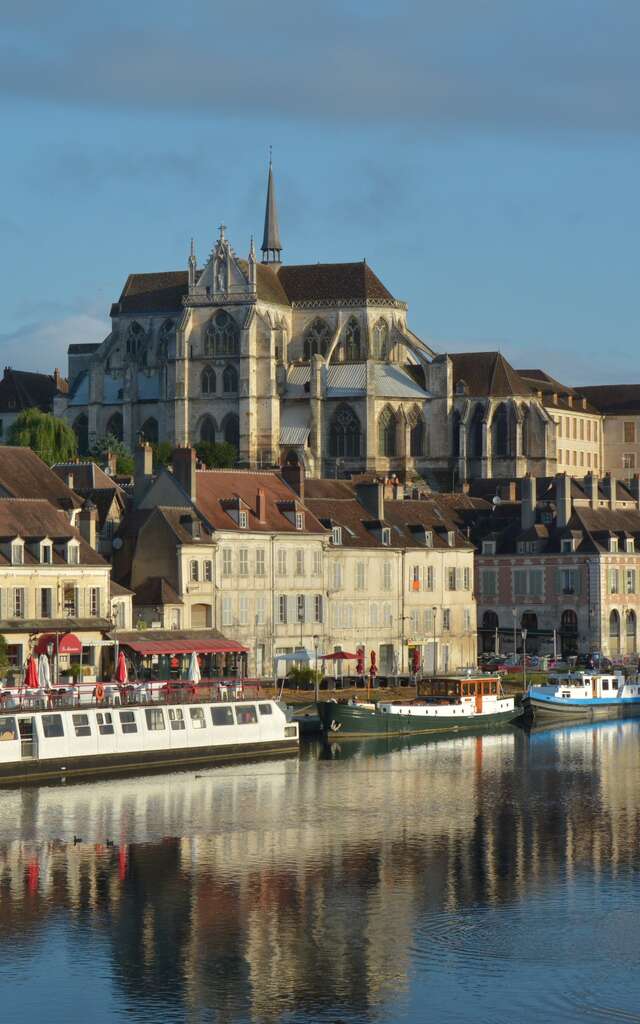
(63, 643)
(185, 646)
(339, 656)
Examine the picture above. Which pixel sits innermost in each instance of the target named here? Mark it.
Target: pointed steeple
(271, 245)
(192, 265)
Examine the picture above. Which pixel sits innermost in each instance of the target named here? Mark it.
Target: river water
(469, 879)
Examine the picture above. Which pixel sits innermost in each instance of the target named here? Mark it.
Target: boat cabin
(587, 685)
(453, 689)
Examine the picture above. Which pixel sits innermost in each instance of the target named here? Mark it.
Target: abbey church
(313, 364)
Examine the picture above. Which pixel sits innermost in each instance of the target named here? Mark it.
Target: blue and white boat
(584, 695)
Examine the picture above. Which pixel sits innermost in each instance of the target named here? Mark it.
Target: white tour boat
(584, 695)
(89, 739)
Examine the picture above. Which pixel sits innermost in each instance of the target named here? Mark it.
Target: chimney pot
(183, 463)
(261, 505)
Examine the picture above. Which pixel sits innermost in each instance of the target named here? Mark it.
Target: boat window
(128, 721)
(52, 726)
(176, 717)
(105, 723)
(265, 709)
(8, 730)
(614, 684)
(246, 714)
(566, 693)
(81, 725)
(494, 687)
(605, 684)
(197, 718)
(155, 719)
(222, 716)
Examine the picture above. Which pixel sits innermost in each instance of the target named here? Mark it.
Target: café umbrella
(44, 672)
(122, 676)
(31, 675)
(194, 668)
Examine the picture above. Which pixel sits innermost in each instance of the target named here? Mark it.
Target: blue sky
(482, 155)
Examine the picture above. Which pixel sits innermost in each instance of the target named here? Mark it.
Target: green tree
(50, 438)
(215, 455)
(4, 657)
(162, 453)
(110, 443)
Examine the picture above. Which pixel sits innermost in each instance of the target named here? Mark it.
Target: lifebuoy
(99, 692)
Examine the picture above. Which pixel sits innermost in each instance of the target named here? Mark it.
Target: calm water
(471, 879)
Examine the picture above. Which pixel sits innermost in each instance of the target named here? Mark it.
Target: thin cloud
(42, 345)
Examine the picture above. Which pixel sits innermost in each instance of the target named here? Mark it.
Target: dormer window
(488, 547)
(567, 545)
(336, 535)
(428, 538)
(46, 553)
(73, 553)
(451, 538)
(386, 536)
(243, 519)
(17, 552)
(299, 520)
(630, 545)
(613, 545)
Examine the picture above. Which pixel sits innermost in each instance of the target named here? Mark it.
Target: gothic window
(345, 433)
(352, 353)
(81, 430)
(500, 430)
(475, 433)
(115, 426)
(316, 339)
(208, 381)
(208, 430)
(149, 431)
(380, 336)
(230, 380)
(222, 337)
(164, 337)
(416, 435)
(526, 431)
(387, 433)
(135, 339)
(231, 430)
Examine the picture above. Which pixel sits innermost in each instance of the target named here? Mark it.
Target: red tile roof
(23, 474)
(214, 487)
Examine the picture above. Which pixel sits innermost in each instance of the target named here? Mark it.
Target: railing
(108, 694)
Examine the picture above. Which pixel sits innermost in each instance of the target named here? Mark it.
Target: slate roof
(487, 374)
(614, 399)
(566, 398)
(117, 590)
(24, 475)
(20, 390)
(33, 520)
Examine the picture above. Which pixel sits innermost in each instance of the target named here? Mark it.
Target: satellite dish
(496, 500)
(116, 543)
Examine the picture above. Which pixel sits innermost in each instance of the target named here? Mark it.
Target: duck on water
(453, 702)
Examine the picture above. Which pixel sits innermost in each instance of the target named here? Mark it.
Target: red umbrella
(360, 665)
(122, 675)
(373, 668)
(415, 660)
(339, 656)
(31, 675)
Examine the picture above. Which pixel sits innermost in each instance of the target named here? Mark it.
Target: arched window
(115, 426)
(149, 431)
(475, 433)
(380, 339)
(164, 337)
(316, 338)
(500, 431)
(208, 430)
(223, 336)
(231, 430)
(345, 433)
(230, 380)
(526, 430)
(81, 430)
(135, 338)
(208, 381)
(614, 633)
(352, 353)
(387, 433)
(416, 435)
(569, 633)
(456, 427)
(632, 624)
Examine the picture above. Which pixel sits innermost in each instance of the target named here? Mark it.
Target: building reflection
(299, 886)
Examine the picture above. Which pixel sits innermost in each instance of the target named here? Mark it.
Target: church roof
(487, 373)
(332, 282)
(152, 293)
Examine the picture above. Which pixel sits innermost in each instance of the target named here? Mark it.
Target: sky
(482, 155)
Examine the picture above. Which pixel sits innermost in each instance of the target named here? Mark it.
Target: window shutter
(577, 581)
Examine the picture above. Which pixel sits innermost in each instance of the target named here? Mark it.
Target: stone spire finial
(192, 265)
(271, 245)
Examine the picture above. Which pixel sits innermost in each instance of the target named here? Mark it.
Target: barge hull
(341, 721)
(563, 710)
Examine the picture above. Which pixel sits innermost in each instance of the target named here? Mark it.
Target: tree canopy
(217, 455)
(50, 438)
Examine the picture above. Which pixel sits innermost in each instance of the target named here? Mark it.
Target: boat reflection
(300, 887)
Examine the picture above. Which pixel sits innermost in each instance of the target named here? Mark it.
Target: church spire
(192, 265)
(271, 245)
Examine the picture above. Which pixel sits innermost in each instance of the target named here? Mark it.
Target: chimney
(87, 521)
(528, 506)
(294, 477)
(69, 479)
(592, 490)
(183, 463)
(610, 485)
(143, 470)
(261, 505)
(563, 499)
(634, 487)
(111, 463)
(371, 497)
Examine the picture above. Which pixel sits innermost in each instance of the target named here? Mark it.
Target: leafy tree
(52, 439)
(4, 657)
(162, 453)
(110, 443)
(217, 455)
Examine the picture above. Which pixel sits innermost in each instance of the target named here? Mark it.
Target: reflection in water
(365, 881)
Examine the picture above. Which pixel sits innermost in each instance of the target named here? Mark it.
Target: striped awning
(204, 646)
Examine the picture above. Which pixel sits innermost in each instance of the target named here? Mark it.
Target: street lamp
(524, 659)
(434, 611)
(316, 641)
(515, 639)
